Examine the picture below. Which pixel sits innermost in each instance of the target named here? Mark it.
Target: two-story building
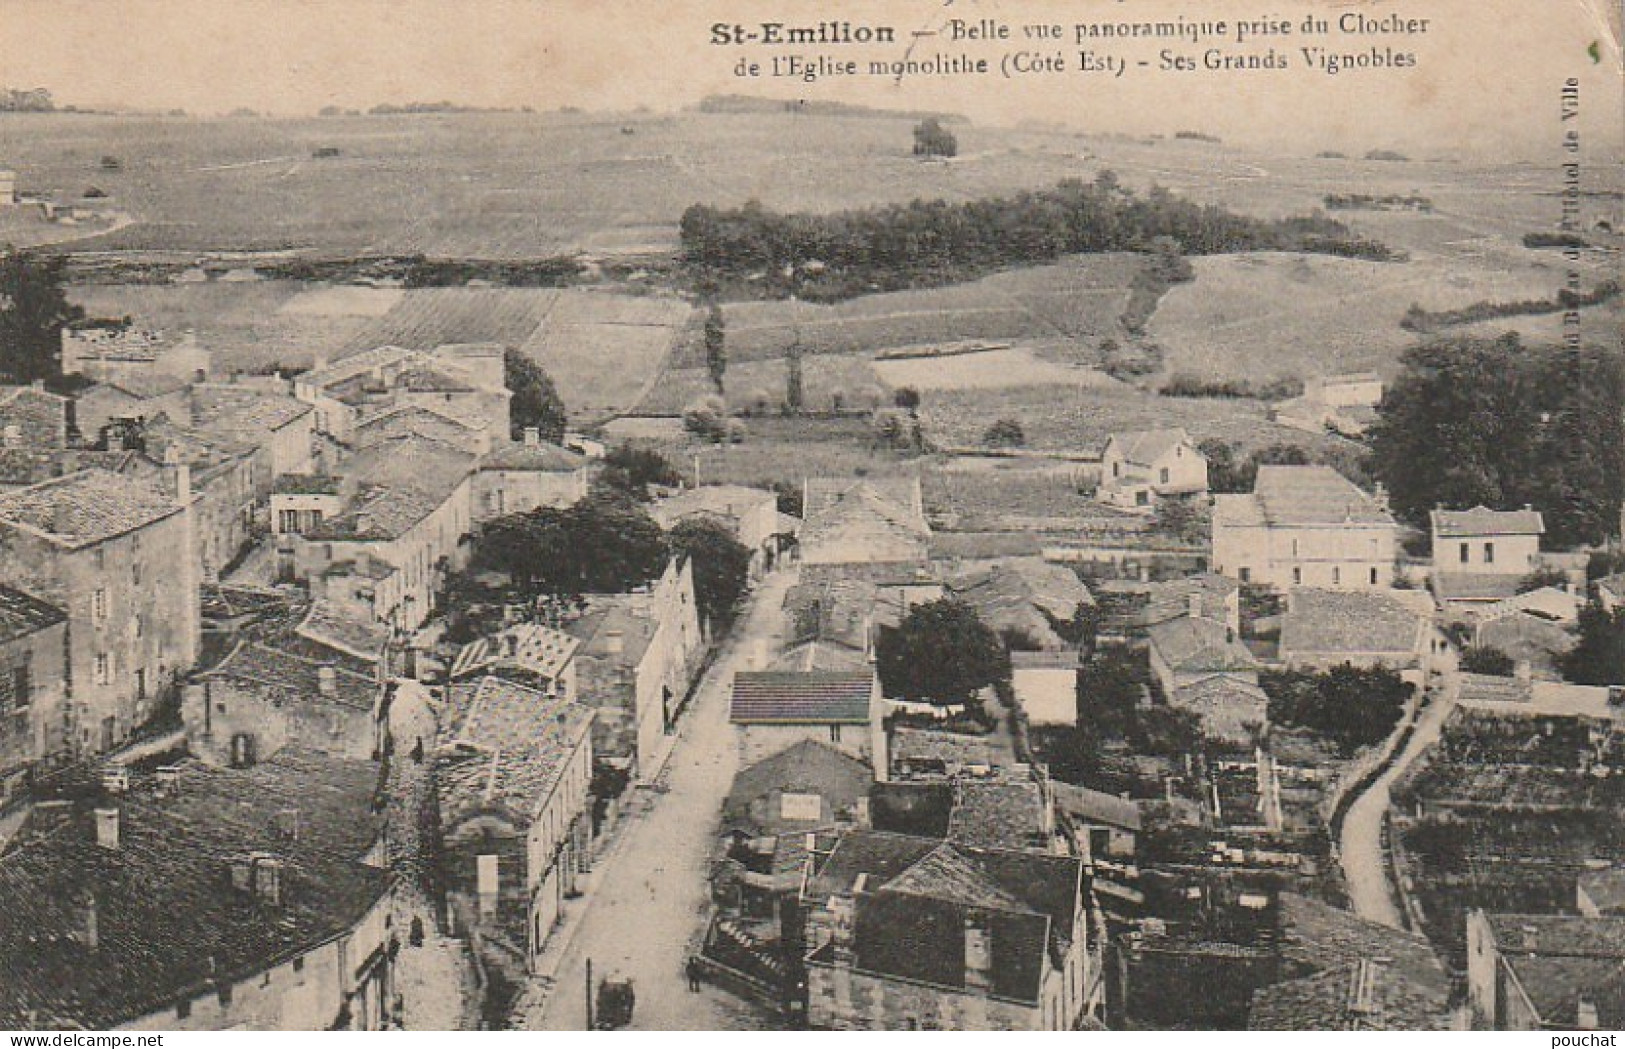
(1305, 526)
(528, 475)
(876, 521)
(221, 476)
(33, 688)
(513, 776)
(1139, 468)
(202, 899)
(463, 382)
(1545, 972)
(907, 933)
(118, 556)
(750, 514)
(772, 710)
(266, 417)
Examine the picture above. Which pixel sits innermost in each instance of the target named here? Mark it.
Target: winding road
(1365, 867)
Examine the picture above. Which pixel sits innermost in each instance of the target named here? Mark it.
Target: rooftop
(85, 508)
(509, 746)
(723, 500)
(539, 458)
(22, 614)
(1144, 447)
(531, 647)
(1560, 960)
(1349, 621)
(1006, 813)
(329, 625)
(1095, 806)
(238, 408)
(1474, 586)
(1482, 521)
(1295, 496)
(775, 698)
(809, 768)
(170, 925)
(292, 679)
(1200, 645)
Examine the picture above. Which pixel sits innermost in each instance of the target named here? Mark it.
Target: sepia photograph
(874, 515)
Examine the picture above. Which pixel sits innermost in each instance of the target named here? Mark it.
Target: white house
(1305, 526)
(1485, 541)
(1137, 469)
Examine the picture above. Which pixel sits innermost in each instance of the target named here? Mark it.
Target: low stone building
(771, 710)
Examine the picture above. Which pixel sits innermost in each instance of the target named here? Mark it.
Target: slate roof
(287, 678)
(1025, 594)
(1095, 806)
(774, 698)
(808, 767)
(1199, 645)
(85, 508)
(1473, 586)
(170, 926)
(1145, 447)
(911, 916)
(22, 613)
(330, 626)
(1349, 622)
(1481, 521)
(1313, 495)
(508, 747)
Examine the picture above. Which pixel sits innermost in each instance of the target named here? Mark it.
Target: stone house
(772, 710)
(528, 475)
(1540, 972)
(1305, 526)
(1482, 541)
(33, 417)
(1139, 468)
(867, 521)
(751, 515)
(280, 428)
(119, 557)
(205, 899)
(33, 689)
(512, 775)
(462, 382)
(910, 933)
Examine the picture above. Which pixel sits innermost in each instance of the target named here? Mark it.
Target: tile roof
(808, 767)
(1230, 710)
(308, 484)
(170, 925)
(1096, 806)
(410, 420)
(1172, 598)
(724, 500)
(1605, 889)
(1362, 996)
(820, 656)
(329, 625)
(1349, 621)
(293, 679)
(508, 746)
(402, 480)
(540, 458)
(1025, 594)
(530, 647)
(1473, 586)
(84, 508)
(1003, 814)
(1560, 960)
(773, 698)
(238, 408)
(1314, 495)
(22, 613)
(1145, 447)
(920, 809)
(1481, 520)
(951, 750)
(1199, 645)
(902, 495)
(614, 632)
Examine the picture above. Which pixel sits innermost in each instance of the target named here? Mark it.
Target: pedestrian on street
(693, 969)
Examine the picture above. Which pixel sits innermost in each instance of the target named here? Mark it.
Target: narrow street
(1365, 863)
(646, 910)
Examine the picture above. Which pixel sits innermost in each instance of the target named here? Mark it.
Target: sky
(1487, 78)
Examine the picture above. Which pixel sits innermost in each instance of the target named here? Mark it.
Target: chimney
(268, 879)
(287, 824)
(327, 681)
(90, 933)
(1193, 606)
(978, 955)
(116, 779)
(533, 436)
(169, 778)
(107, 829)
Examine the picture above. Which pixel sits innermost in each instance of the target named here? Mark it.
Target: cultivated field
(1080, 298)
(1080, 419)
(755, 387)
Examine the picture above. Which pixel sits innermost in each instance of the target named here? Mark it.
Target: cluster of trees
(1228, 471)
(931, 241)
(942, 653)
(1385, 202)
(931, 139)
(632, 470)
(26, 100)
(708, 418)
(536, 401)
(1474, 421)
(1351, 706)
(34, 308)
(1184, 384)
(1113, 704)
(1598, 657)
(1004, 433)
(1418, 319)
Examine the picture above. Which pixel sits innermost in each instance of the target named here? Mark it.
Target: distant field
(789, 451)
(752, 384)
(1080, 298)
(604, 351)
(1260, 316)
(1082, 419)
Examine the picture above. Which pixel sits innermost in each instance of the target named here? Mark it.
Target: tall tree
(940, 653)
(536, 402)
(34, 308)
(716, 346)
(603, 544)
(1598, 658)
(630, 470)
(795, 394)
(721, 566)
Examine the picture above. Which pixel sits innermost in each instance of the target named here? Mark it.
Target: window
(1297, 577)
(1489, 553)
(104, 669)
(1465, 554)
(135, 573)
(1245, 575)
(22, 686)
(98, 604)
(1373, 575)
(287, 521)
(835, 733)
(1117, 469)
(1164, 475)
(298, 965)
(1337, 575)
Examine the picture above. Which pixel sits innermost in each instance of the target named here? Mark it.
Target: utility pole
(589, 994)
